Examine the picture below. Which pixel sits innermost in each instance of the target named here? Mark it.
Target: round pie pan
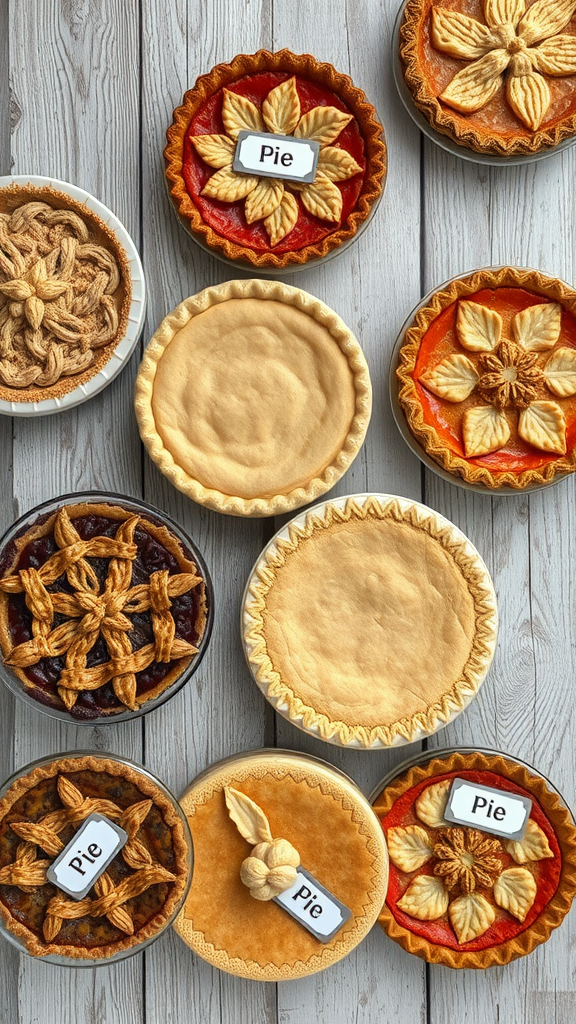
(401, 935)
(444, 141)
(287, 703)
(188, 548)
(400, 420)
(291, 769)
(147, 776)
(137, 312)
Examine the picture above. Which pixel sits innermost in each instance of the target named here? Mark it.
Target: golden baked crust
(496, 133)
(339, 840)
(557, 907)
(308, 67)
(332, 613)
(77, 266)
(253, 398)
(97, 763)
(426, 434)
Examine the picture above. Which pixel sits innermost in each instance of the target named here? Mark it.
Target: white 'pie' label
(276, 156)
(491, 810)
(313, 906)
(87, 855)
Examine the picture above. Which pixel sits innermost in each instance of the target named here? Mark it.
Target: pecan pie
(65, 293)
(463, 897)
(255, 819)
(333, 608)
(270, 222)
(102, 607)
(487, 378)
(140, 890)
(497, 76)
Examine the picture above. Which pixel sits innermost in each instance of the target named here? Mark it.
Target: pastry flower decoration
(505, 49)
(508, 376)
(461, 861)
(271, 867)
(268, 199)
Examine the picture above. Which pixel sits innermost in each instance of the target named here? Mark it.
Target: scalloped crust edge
(233, 504)
(96, 763)
(557, 907)
(282, 696)
(446, 122)
(339, 947)
(307, 66)
(426, 435)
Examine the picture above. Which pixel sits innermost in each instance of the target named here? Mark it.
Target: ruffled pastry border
(555, 910)
(449, 123)
(147, 787)
(426, 435)
(376, 886)
(353, 734)
(306, 66)
(233, 504)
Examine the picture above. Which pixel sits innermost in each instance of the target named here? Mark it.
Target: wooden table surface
(87, 89)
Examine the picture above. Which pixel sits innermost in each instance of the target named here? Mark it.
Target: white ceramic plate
(125, 348)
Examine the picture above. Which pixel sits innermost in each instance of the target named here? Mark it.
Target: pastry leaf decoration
(409, 848)
(431, 803)
(471, 916)
(506, 50)
(425, 898)
(515, 891)
(266, 199)
(484, 430)
(453, 379)
(533, 845)
(249, 819)
(537, 328)
(478, 328)
(543, 424)
(271, 868)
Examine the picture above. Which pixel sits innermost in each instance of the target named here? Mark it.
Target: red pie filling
(546, 872)
(228, 219)
(188, 612)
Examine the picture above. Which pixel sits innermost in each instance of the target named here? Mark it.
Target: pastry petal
(555, 56)
(322, 124)
(544, 19)
(470, 916)
(453, 379)
(322, 198)
(503, 12)
(474, 86)
(214, 150)
(16, 290)
(484, 429)
(537, 328)
(281, 108)
(249, 819)
(529, 97)
(409, 847)
(239, 113)
(543, 425)
(431, 804)
(515, 891)
(337, 164)
(425, 898)
(459, 35)
(560, 372)
(281, 222)
(478, 328)
(228, 186)
(263, 200)
(533, 845)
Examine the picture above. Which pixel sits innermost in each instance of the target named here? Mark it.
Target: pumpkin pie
(65, 293)
(257, 820)
(496, 76)
(253, 398)
(141, 889)
(273, 222)
(464, 897)
(103, 608)
(487, 378)
(332, 610)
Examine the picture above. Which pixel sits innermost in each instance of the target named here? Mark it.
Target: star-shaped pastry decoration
(28, 873)
(93, 610)
(516, 47)
(269, 199)
(510, 376)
